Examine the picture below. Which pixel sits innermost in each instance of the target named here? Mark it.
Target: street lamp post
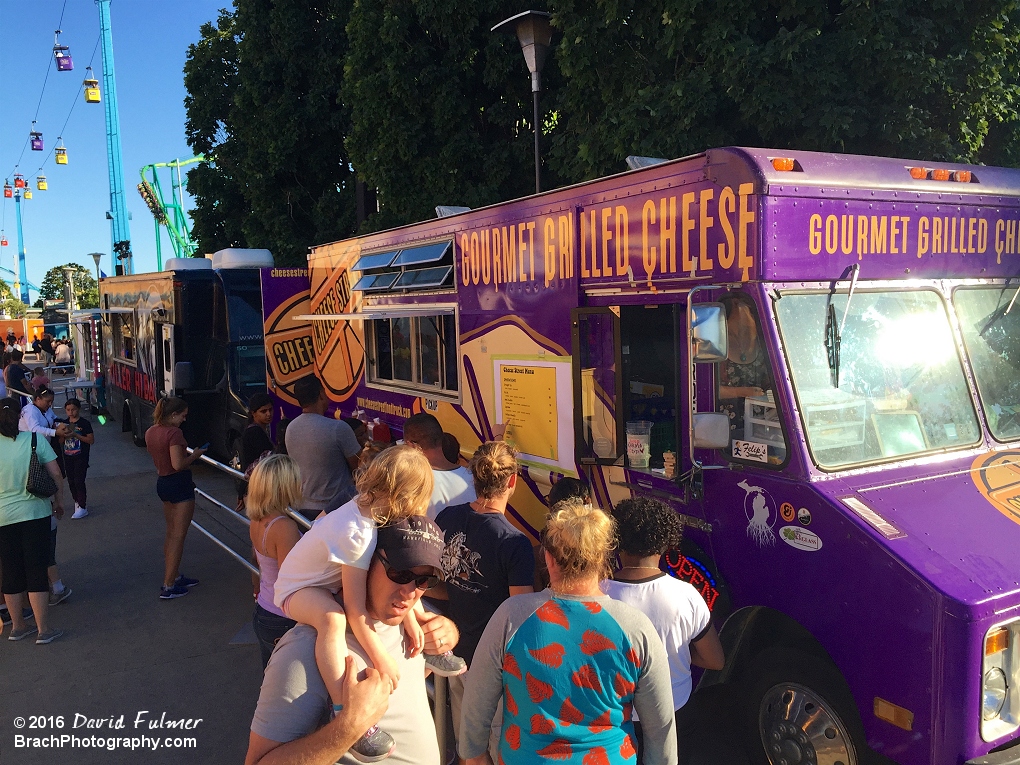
(96, 256)
(534, 32)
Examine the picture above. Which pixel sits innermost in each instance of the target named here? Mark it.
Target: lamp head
(534, 32)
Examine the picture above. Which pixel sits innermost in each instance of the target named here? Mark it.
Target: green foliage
(86, 289)
(10, 305)
(897, 78)
(442, 106)
(263, 103)
(424, 103)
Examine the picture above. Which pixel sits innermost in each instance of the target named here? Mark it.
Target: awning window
(401, 269)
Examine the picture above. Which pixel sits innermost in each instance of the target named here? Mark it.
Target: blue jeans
(269, 628)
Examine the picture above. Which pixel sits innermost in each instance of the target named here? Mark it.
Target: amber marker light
(963, 176)
(918, 173)
(940, 175)
(783, 164)
(997, 641)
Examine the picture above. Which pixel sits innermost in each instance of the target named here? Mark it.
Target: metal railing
(439, 693)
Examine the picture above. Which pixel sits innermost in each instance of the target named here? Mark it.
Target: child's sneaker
(374, 746)
(446, 664)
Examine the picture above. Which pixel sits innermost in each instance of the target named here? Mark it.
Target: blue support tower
(119, 228)
(22, 273)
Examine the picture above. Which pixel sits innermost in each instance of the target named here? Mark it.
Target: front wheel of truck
(796, 709)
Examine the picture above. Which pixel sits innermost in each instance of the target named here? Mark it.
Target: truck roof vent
(639, 163)
(445, 211)
(238, 257)
(187, 264)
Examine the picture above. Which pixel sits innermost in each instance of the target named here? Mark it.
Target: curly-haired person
(646, 528)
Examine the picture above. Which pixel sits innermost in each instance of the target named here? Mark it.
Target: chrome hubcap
(798, 727)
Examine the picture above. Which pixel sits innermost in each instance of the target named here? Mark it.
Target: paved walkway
(124, 651)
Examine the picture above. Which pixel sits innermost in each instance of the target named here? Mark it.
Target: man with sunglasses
(291, 723)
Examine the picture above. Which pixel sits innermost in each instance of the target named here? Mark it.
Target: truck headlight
(1000, 681)
(995, 690)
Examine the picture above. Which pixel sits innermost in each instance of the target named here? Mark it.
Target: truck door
(167, 359)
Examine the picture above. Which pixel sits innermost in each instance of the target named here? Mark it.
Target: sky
(150, 40)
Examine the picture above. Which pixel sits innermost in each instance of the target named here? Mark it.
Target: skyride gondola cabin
(820, 344)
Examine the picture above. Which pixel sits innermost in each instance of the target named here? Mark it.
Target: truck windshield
(992, 338)
(902, 389)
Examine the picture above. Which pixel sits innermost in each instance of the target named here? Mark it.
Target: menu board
(529, 408)
(533, 401)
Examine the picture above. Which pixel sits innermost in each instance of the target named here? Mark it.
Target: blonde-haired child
(335, 554)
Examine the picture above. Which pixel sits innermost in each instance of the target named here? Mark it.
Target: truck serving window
(992, 338)
(122, 331)
(895, 388)
(418, 353)
(746, 391)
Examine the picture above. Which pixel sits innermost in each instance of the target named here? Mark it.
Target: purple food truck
(814, 358)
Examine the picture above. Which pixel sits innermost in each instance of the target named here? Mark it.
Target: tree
(86, 289)
(441, 106)
(899, 78)
(263, 101)
(10, 305)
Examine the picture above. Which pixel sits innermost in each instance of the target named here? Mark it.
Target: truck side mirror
(711, 430)
(708, 325)
(184, 375)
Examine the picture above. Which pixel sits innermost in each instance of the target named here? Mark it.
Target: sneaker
(64, 595)
(48, 636)
(21, 634)
(79, 512)
(374, 746)
(169, 593)
(26, 614)
(184, 581)
(446, 664)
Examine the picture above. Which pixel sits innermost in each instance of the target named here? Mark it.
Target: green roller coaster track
(169, 214)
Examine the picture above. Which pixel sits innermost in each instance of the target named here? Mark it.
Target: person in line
(256, 443)
(47, 348)
(451, 448)
(289, 726)
(453, 484)
(569, 663)
(169, 451)
(646, 529)
(39, 379)
(325, 450)
(569, 488)
(38, 417)
(62, 355)
(335, 553)
(74, 455)
(360, 428)
(486, 560)
(25, 526)
(275, 485)
(17, 375)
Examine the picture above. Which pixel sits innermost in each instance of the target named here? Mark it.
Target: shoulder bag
(40, 482)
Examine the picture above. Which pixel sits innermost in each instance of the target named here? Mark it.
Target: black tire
(796, 709)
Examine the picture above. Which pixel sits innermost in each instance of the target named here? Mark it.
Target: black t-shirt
(254, 442)
(17, 378)
(73, 448)
(485, 556)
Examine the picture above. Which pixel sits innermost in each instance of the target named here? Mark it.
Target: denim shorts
(177, 487)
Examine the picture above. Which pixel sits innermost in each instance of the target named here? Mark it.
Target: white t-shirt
(450, 487)
(343, 538)
(680, 616)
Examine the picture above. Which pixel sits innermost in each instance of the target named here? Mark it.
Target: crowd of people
(579, 646)
(36, 442)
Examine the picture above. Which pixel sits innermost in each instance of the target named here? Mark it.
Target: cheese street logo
(997, 478)
(289, 350)
(339, 350)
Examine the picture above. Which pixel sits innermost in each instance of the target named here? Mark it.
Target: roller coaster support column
(22, 273)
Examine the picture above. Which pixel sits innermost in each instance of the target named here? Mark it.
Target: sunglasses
(421, 581)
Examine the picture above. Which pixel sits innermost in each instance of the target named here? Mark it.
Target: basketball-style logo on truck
(290, 354)
(997, 477)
